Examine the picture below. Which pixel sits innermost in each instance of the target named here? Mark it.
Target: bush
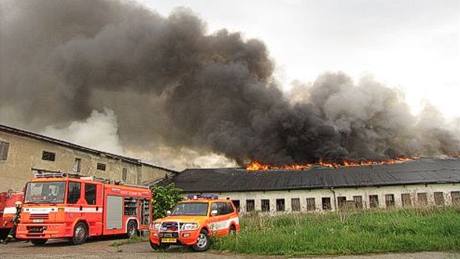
(164, 199)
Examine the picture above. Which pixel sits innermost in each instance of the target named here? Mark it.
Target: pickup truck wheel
(203, 242)
(158, 247)
(80, 234)
(232, 230)
(38, 242)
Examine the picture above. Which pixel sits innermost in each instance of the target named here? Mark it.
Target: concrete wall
(365, 192)
(26, 153)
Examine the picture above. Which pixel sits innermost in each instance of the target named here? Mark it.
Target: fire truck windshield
(45, 192)
(191, 209)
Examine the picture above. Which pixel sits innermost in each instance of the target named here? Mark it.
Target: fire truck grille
(170, 226)
(39, 216)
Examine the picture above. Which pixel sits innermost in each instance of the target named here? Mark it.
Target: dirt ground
(103, 248)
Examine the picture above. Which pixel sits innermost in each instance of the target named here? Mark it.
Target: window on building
(250, 205)
(422, 199)
(326, 201)
(389, 200)
(439, 198)
(358, 200)
(48, 156)
(455, 198)
(100, 166)
(406, 200)
(265, 205)
(280, 205)
(373, 201)
(341, 202)
(73, 195)
(124, 174)
(295, 204)
(4, 146)
(236, 203)
(311, 206)
(90, 193)
(77, 165)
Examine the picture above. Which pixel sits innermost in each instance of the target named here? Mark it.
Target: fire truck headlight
(190, 226)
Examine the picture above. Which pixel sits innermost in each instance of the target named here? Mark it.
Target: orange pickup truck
(192, 222)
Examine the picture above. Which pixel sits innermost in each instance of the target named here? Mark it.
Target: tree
(164, 199)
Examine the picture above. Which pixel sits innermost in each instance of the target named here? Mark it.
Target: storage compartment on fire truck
(130, 206)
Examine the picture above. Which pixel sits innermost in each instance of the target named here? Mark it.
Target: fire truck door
(93, 208)
(114, 213)
(74, 203)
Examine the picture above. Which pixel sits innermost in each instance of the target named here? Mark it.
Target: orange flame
(259, 166)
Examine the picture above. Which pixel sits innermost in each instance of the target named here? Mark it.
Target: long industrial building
(424, 182)
(21, 151)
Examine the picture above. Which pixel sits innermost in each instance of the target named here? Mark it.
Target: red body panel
(57, 220)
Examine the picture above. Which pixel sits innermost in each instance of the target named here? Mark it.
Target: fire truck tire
(132, 229)
(203, 242)
(38, 242)
(80, 234)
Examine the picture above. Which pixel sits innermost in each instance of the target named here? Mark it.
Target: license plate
(37, 220)
(168, 240)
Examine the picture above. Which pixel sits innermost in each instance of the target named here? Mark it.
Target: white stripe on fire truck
(224, 224)
(9, 210)
(66, 209)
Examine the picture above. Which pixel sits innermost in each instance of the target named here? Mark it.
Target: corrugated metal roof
(422, 171)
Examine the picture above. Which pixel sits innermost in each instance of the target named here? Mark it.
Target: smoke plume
(172, 84)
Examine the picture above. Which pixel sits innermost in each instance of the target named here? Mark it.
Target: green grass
(355, 232)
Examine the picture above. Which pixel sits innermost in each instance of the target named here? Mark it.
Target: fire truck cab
(60, 205)
(8, 203)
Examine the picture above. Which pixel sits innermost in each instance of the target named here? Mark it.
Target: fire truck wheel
(132, 229)
(203, 242)
(80, 234)
(38, 242)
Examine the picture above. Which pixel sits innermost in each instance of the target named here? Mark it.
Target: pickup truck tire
(203, 242)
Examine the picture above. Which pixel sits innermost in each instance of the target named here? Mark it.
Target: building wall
(25, 153)
(364, 192)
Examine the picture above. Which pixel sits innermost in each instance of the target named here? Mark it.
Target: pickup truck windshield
(191, 209)
(45, 192)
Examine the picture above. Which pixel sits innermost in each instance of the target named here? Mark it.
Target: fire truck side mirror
(168, 212)
(213, 213)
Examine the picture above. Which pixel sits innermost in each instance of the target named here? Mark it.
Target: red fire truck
(8, 205)
(60, 205)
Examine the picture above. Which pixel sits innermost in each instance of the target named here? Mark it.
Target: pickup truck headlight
(189, 226)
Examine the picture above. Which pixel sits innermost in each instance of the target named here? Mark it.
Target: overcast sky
(411, 45)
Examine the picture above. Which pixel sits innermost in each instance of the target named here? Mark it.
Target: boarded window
(326, 201)
(280, 205)
(311, 204)
(236, 203)
(90, 193)
(124, 174)
(389, 200)
(101, 166)
(77, 165)
(406, 200)
(4, 146)
(358, 201)
(373, 201)
(265, 205)
(48, 156)
(439, 198)
(73, 194)
(341, 202)
(455, 198)
(250, 205)
(422, 199)
(295, 204)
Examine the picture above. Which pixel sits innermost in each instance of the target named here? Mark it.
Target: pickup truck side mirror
(213, 213)
(168, 212)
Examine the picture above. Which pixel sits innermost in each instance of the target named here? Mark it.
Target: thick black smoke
(169, 81)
